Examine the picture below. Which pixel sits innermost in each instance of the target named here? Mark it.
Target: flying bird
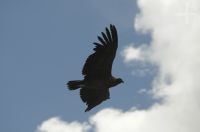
(97, 71)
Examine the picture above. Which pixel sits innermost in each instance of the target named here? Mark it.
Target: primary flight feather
(97, 71)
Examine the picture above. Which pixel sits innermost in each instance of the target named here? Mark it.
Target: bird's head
(119, 80)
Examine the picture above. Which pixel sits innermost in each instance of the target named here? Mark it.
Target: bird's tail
(75, 84)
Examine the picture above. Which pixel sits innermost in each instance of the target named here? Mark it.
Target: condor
(97, 71)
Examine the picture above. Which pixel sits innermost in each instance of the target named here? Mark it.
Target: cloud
(55, 124)
(143, 91)
(175, 50)
(138, 58)
(131, 53)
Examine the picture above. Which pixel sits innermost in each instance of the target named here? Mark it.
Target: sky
(44, 44)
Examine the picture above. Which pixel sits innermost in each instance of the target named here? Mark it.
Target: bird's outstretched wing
(93, 97)
(99, 64)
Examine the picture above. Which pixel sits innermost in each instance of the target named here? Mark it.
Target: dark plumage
(97, 71)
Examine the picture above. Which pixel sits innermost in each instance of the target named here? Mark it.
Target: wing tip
(112, 26)
(89, 108)
(86, 110)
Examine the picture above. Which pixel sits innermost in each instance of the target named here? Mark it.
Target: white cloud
(175, 49)
(131, 53)
(138, 58)
(143, 91)
(55, 124)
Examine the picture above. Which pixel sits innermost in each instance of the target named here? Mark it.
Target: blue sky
(44, 44)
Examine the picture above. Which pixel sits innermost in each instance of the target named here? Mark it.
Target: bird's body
(97, 71)
(96, 83)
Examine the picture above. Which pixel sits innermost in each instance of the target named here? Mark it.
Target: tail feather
(75, 84)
